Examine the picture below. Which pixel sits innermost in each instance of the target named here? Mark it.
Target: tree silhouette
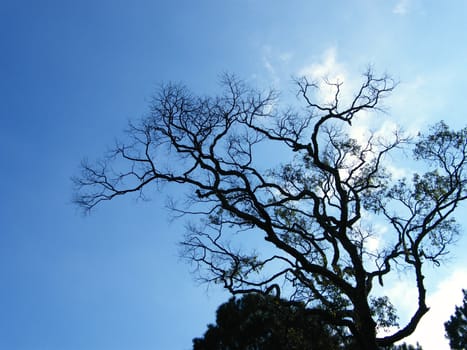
(295, 178)
(264, 322)
(406, 347)
(256, 322)
(456, 327)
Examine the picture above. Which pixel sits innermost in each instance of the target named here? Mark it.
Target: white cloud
(329, 69)
(404, 296)
(448, 293)
(398, 172)
(411, 103)
(430, 333)
(373, 243)
(285, 56)
(274, 62)
(326, 67)
(367, 125)
(268, 65)
(423, 99)
(402, 7)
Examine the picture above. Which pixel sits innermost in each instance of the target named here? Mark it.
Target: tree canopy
(296, 178)
(256, 322)
(265, 322)
(456, 327)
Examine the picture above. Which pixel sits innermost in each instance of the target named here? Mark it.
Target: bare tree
(297, 179)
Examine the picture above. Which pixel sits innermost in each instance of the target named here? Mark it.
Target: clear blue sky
(72, 73)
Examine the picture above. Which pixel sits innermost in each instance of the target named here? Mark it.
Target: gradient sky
(72, 73)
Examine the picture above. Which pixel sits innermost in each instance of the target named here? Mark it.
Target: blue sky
(72, 73)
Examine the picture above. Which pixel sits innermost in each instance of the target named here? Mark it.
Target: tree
(406, 347)
(296, 178)
(456, 327)
(256, 322)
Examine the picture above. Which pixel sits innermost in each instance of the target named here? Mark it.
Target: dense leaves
(260, 322)
(256, 322)
(456, 327)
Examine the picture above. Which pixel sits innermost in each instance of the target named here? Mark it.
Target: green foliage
(257, 322)
(384, 311)
(456, 327)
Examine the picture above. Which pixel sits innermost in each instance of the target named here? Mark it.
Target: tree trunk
(366, 327)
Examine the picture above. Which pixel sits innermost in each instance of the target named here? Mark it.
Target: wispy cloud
(268, 65)
(285, 56)
(402, 7)
(417, 102)
(328, 69)
(274, 62)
